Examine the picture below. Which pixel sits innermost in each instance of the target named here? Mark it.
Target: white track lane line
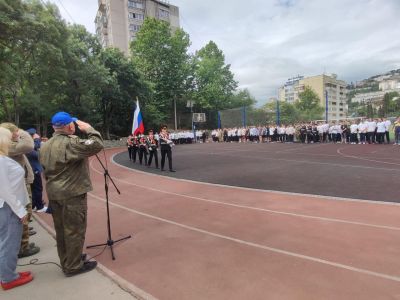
(251, 244)
(296, 160)
(361, 158)
(313, 162)
(254, 208)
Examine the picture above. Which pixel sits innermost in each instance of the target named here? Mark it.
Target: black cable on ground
(35, 261)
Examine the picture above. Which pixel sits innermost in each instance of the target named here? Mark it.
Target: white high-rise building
(118, 21)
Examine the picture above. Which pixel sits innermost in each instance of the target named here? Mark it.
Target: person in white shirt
(362, 128)
(214, 135)
(320, 130)
(371, 126)
(332, 133)
(380, 131)
(338, 129)
(290, 131)
(13, 200)
(353, 133)
(325, 131)
(388, 123)
(281, 133)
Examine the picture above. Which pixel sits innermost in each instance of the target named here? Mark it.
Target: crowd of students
(368, 131)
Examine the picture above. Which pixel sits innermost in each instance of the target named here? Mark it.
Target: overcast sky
(268, 41)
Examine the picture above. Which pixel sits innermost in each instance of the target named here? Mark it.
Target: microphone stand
(110, 242)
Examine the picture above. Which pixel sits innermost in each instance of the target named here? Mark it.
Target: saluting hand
(83, 126)
(24, 219)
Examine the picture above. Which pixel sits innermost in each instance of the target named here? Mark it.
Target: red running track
(202, 241)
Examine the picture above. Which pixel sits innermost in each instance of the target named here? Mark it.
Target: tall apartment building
(320, 84)
(118, 21)
(288, 91)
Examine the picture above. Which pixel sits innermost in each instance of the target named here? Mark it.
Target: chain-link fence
(244, 116)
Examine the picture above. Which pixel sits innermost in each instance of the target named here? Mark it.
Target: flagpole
(176, 124)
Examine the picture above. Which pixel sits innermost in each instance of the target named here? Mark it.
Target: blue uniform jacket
(33, 157)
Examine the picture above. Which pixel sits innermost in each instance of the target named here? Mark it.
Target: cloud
(267, 42)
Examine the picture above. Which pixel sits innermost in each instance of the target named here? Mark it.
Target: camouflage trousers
(25, 227)
(70, 221)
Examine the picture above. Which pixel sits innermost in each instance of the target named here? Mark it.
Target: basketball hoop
(199, 117)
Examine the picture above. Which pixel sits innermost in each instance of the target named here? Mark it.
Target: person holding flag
(138, 126)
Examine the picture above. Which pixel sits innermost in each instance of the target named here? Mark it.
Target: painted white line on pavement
(251, 244)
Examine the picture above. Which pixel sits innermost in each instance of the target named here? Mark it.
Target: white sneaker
(42, 210)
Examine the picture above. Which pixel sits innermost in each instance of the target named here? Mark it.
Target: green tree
(308, 105)
(161, 57)
(370, 111)
(241, 98)
(389, 105)
(289, 113)
(118, 91)
(214, 81)
(308, 99)
(32, 57)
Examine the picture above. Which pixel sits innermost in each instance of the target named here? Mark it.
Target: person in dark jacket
(166, 145)
(37, 185)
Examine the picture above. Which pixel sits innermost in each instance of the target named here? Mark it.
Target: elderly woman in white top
(13, 199)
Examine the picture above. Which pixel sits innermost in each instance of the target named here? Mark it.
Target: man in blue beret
(65, 162)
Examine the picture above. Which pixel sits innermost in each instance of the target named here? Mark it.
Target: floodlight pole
(176, 124)
(326, 106)
(278, 113)
(193, 125)
(244, 116)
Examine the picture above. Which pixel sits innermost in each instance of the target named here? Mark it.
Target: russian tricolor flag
(138, 126)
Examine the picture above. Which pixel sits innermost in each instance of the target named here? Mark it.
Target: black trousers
(380, 137)
(353, 138)
(153, 153)
(142, 152)
(362, 137)
(387, 137)
(134, 151)
(370, 137)
(130, 153)
(303, 137)
(37, 192)
(166, 151)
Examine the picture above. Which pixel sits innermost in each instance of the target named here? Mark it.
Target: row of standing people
(146, 148)
(367, 131)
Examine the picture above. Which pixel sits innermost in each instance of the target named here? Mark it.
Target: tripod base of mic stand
(110, 244)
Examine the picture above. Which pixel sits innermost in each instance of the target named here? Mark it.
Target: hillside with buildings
(375, 96)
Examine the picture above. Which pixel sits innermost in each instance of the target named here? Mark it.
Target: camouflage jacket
(17, 151)
(66, 166)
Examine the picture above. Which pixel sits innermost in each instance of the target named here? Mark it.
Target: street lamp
(326, 105)
(190, 104)
(278, 113)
